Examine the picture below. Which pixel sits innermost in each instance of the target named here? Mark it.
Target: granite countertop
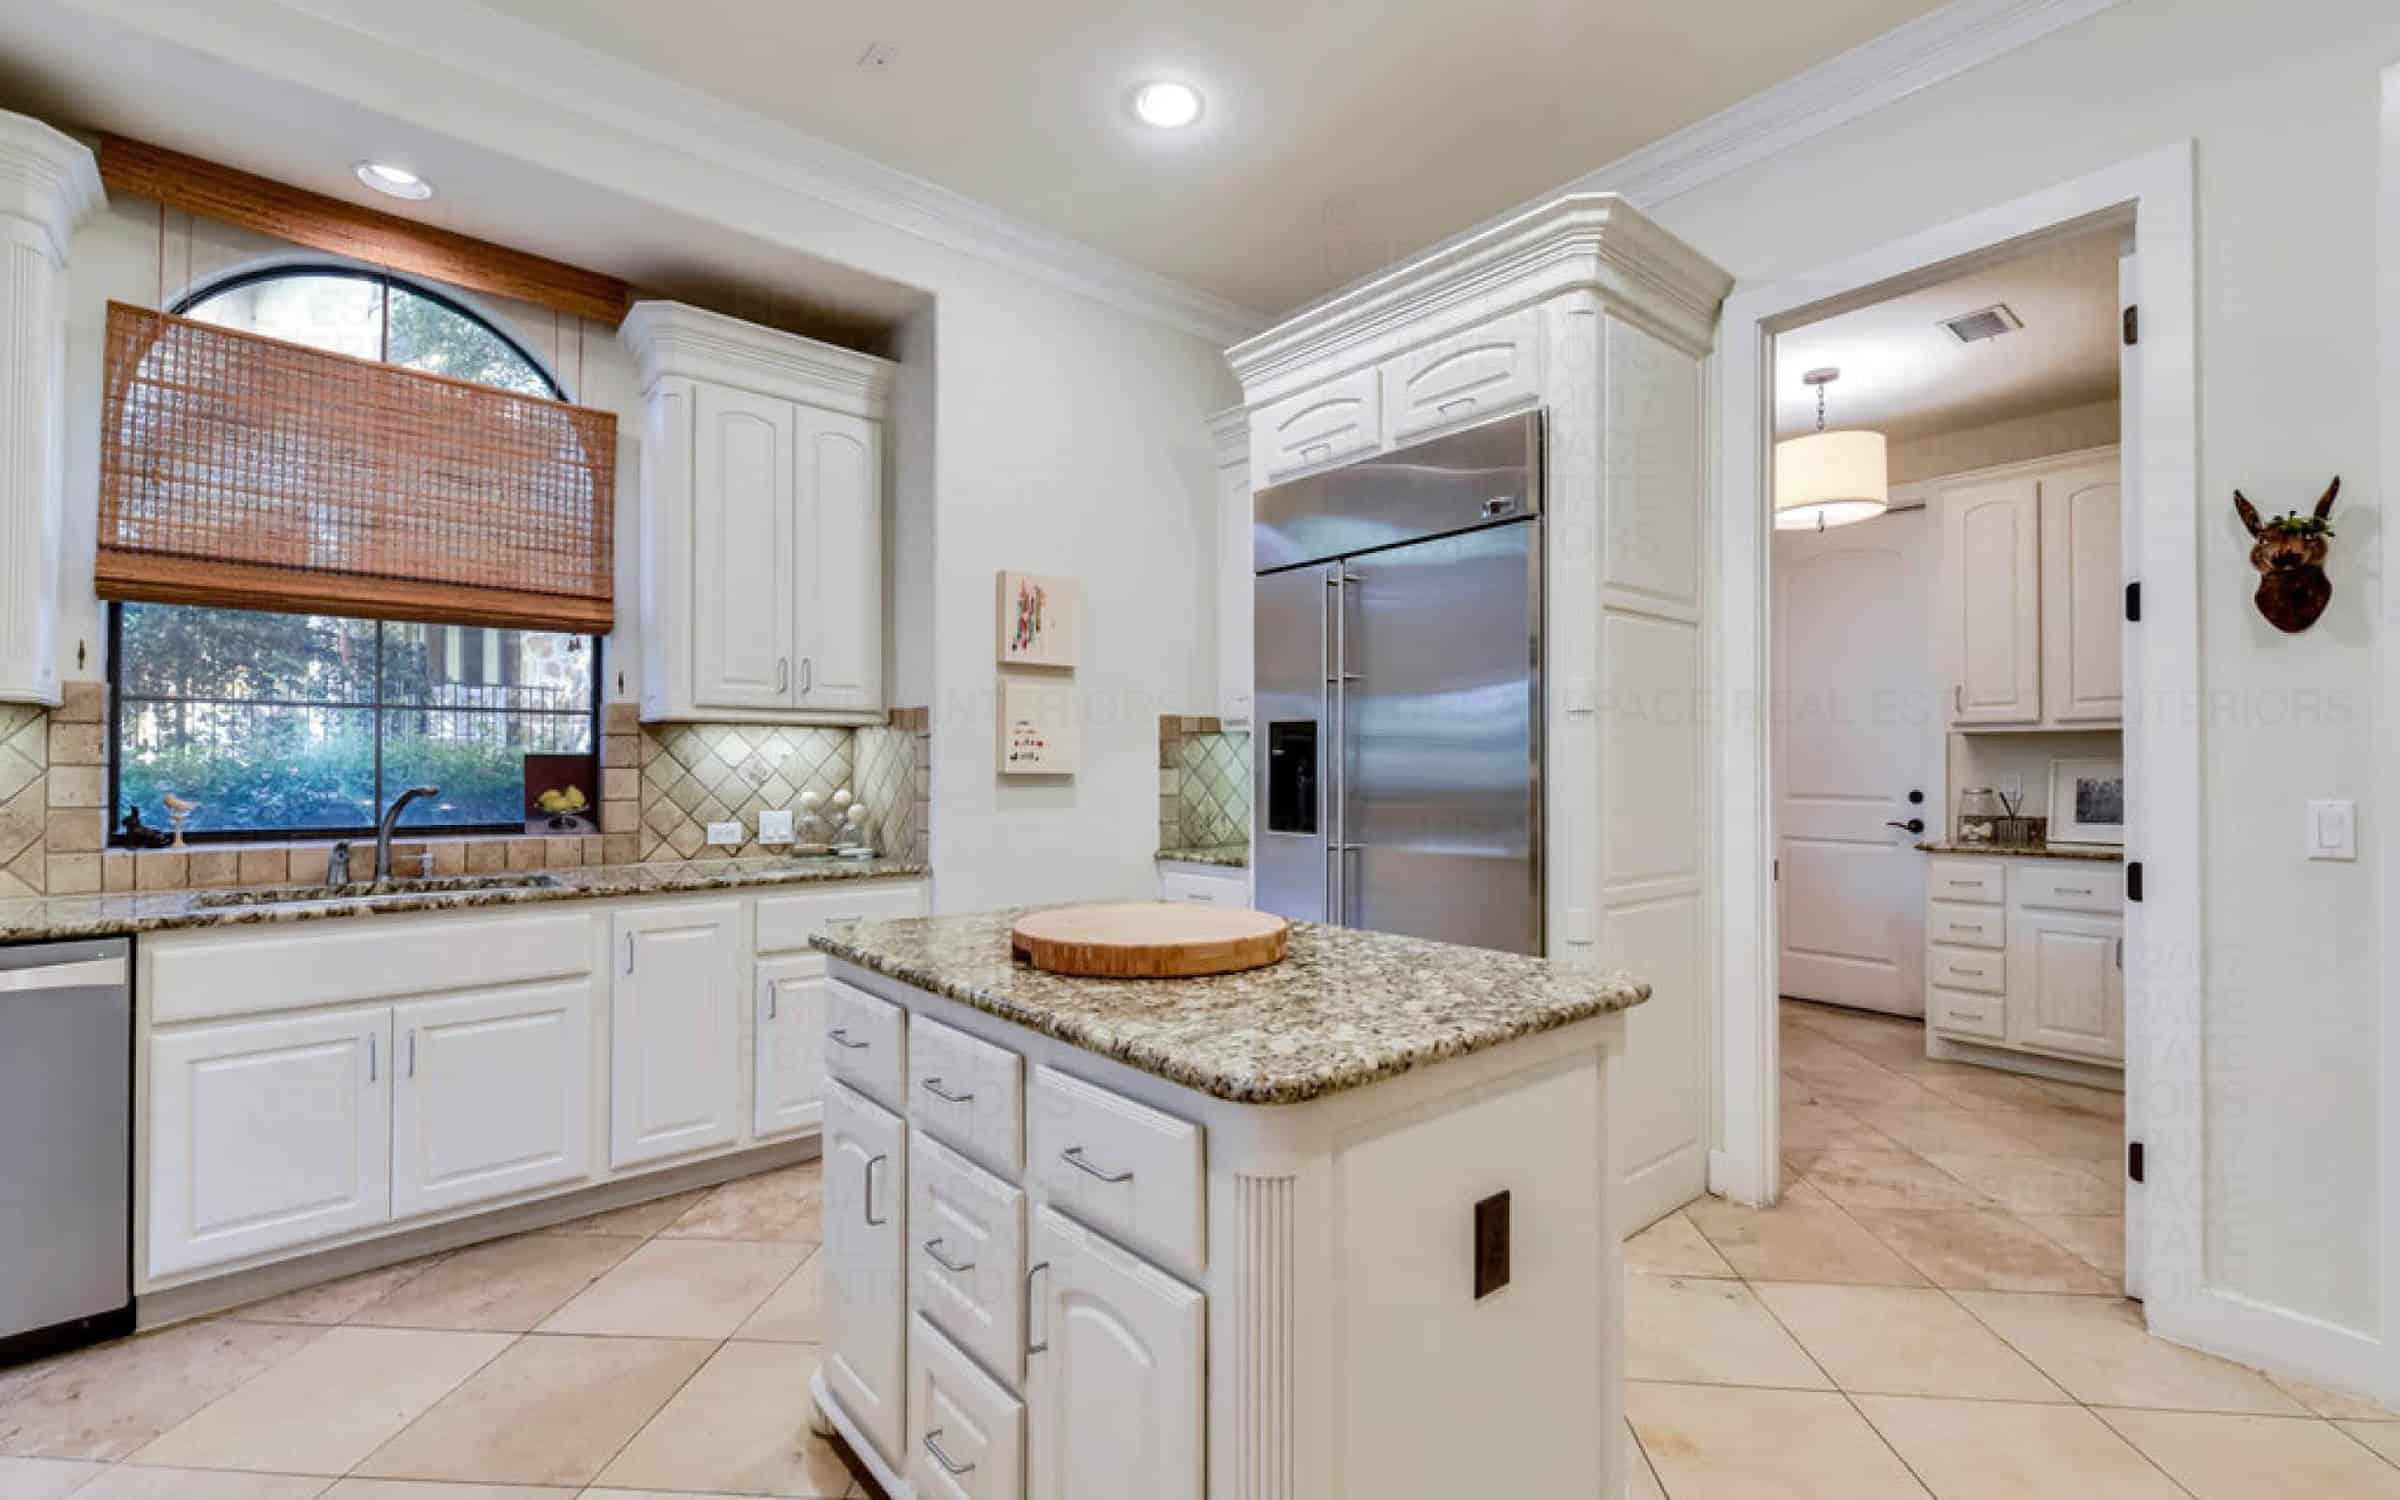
(1231, 856)
(2095, 853)
(1344, 1009)
(41, 918)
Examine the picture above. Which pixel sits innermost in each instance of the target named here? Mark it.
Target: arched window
(306, 726)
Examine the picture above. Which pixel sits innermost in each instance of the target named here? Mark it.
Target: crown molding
(605, 96)
(48, 179)
(1229, 435)
(671, 339)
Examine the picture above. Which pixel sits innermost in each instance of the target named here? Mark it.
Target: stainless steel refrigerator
(1397, 724)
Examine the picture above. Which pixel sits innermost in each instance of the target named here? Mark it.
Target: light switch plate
(2331, 831)
(725, 833)
(775, 825)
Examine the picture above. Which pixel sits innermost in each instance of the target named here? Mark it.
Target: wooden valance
(229, 196)
(248, 473)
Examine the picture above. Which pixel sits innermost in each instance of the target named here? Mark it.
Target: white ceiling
(1339, 135)
(1904, 375)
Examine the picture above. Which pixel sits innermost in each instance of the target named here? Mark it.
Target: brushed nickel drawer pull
(949, 1466)
(867, 1200)
(2073, 890)
(933, 1247)
(840, 1037)
(1073, 1156)
(1033, 1345)
(934, 1087)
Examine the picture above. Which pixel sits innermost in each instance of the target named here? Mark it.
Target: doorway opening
(1947, 764)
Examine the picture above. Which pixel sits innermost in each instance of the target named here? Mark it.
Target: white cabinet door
(491, 1096)
(966, 1258)
(265, 1134)
(675, 1036)
(1115, 1370)
(866, 1196)
(743, 599)
(1466, 377)
(2083, 598)
(789, 1061)
(1318, 427)
(969, 1431)
(838, 494)
(1991, 601)
(2066, 984)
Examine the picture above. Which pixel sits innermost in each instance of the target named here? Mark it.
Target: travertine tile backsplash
(1203, 784)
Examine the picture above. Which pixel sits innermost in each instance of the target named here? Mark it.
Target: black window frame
(113, 834)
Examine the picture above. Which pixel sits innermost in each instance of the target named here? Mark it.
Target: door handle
(808, 675)
(412, 1052)
(371, 1065)
(629, 953)
(1033, 1346)
(772, 987)
(933, 1248)
(867, 1206)
(1913, 825)
(783, 674)
(949, 1465)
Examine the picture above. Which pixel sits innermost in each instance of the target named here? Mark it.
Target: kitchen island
(1335, 1228)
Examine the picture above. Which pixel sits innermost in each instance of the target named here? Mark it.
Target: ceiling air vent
(1990, 323)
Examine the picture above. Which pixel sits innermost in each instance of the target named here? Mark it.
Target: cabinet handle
(2072, 890)
(629, 953)
(1033, 1346)
(808, 675)
(783, 674)
(412, 1052)
(869, 1205)
(1073, 1156)
(950, 1467)
(934, 1087)
(1958, 699)
(2120, 953)
(840, 1037)
(370, 1057)
(772, 989)
(933, 1247)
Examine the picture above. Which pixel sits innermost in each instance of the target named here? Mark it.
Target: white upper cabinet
(2083, 598)
(1318, 427)
(1229, 435)
(761, 521)
(491, 1094)
(1489, 369)
(675, 1031)
(1992, 606)
(265, 1134)
(2032, 601)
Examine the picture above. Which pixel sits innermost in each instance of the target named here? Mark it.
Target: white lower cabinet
(1116, 1367)
(865, 1285)
(788, 1060)
(675, 1031)
(268, 1133)
(490, 1094)
(969, 1431)
(2068, 988)
(966, 1254)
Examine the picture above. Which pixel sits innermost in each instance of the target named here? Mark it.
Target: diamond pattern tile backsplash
(1204, 784)
(697, 774)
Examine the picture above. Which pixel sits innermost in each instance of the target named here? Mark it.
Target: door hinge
(2133, 325)
(2133, 880)
(2133, 601)
(2133, 1160)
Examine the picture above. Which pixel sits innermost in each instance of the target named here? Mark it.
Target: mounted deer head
(2290, 557)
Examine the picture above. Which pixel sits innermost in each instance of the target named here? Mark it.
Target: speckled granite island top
(44, 918)
(2092, 852)
(1224, 856)
(1345, 1009)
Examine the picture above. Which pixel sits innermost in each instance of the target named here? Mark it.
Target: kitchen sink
(369, 890)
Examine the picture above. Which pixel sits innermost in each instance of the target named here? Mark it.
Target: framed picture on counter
(2087, 802)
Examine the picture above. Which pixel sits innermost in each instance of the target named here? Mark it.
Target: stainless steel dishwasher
(66, 1145)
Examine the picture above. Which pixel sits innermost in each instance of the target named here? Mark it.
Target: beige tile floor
(1932, 1311)
(1935, 1309)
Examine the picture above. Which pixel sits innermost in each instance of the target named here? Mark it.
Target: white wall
(2282, 100)
(2065, 430)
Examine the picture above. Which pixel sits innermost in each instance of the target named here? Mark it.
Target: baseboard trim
(2006, 1060)
(200, 1298)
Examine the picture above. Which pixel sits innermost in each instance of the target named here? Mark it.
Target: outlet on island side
(1491, 1245)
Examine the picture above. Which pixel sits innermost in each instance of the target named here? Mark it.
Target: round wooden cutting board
(1149, 940)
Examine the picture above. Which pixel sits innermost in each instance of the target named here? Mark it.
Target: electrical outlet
(775, 825)
(725, 833)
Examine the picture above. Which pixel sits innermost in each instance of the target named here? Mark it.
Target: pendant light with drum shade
(1829, 479)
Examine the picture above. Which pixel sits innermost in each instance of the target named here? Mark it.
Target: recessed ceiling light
(395, 182)
(1169, 106)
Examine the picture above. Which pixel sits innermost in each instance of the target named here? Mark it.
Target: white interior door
(1858, 728)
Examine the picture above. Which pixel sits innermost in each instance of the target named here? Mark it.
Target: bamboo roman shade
(248, 473)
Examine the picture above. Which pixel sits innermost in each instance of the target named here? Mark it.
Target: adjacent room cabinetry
(761, 521)
(2032, 597)
(2027, 956)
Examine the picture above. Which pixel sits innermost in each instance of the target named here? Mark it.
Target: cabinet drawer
(966, 1433)
(1978, 881)
(1319, 426)
(788, 922)
(966, 1254)
(1954, 1011)
(2091, 887)
(865, 1042)
(1207, 890)
(968, 1093)
(1466, 377)
(1120, 1166)
(1976, 970)
(1966, 926)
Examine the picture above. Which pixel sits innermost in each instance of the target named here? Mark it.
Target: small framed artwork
(2087, 802)
(1041, 621)
(1038, 732)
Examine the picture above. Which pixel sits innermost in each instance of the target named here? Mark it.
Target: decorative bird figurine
(177, 810)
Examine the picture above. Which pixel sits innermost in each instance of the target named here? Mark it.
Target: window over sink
(306, 725)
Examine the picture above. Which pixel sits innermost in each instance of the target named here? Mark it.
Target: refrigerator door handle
(1330, 648)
